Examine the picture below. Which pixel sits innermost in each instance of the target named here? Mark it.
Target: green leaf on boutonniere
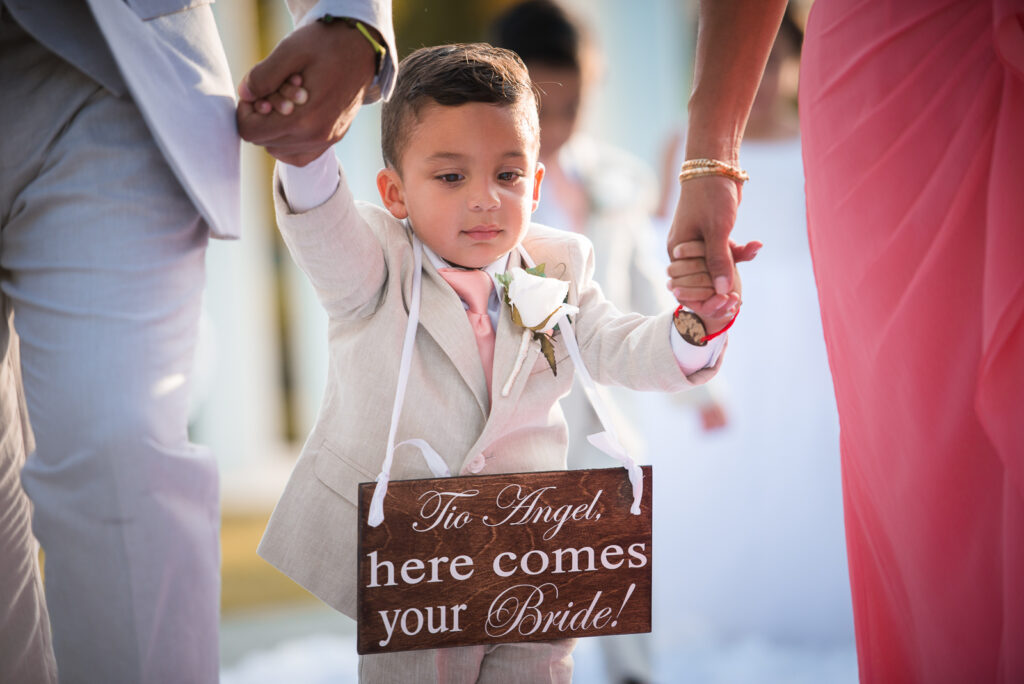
(537, 270)
(516, 318)
(504, 279)
(548, 349)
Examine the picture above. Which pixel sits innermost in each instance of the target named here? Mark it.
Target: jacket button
(476, 464)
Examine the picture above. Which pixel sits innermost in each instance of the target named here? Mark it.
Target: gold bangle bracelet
(693, 163)
(700, 173)
(698, 168)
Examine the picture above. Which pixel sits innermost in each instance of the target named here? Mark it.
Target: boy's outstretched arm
(328, 238)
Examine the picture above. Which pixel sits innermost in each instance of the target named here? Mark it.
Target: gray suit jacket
(168, 56)
(360, 262)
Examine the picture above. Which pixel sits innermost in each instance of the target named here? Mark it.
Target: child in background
(595, 189)
(460, 141)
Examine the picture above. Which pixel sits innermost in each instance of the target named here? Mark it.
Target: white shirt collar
(499, 265)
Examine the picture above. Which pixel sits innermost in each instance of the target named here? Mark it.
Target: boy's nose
(484, 197)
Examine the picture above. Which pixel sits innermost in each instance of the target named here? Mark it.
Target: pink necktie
(474, 287)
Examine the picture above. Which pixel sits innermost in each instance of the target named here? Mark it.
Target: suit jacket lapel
(443, 316)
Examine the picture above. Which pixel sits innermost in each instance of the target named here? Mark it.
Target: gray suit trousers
(102, 263)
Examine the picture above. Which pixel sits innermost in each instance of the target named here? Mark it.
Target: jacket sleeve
(375, 13)
(337, 250)
(627, 349)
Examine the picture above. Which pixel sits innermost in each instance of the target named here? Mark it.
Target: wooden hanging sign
(495, 559)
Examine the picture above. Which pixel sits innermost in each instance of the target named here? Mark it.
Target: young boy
(460, 144)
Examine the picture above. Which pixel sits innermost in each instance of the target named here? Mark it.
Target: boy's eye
(509, 176)
(450, 177)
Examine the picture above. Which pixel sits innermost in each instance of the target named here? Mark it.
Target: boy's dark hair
(451, 75)
(540, 31)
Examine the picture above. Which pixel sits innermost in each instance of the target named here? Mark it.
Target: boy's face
(468, 182)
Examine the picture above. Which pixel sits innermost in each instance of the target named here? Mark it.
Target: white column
(238, 401)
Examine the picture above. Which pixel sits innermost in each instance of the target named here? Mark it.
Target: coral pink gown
(913, 132)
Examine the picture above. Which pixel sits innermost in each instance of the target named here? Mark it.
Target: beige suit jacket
(360, 261)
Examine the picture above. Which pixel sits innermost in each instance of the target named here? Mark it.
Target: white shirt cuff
(692, 358)
(307, 187)
(337, 8)
(362, 10)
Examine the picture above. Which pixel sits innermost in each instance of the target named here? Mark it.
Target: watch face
(691, 327)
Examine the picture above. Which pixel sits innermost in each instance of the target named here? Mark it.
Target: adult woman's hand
(734, 38)
(706, 211)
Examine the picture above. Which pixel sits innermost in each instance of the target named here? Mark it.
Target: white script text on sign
(504, 558)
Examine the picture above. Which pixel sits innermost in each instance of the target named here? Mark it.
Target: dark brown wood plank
(504, 558)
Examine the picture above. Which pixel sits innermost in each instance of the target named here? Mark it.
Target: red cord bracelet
(712, 336)
(727, 326)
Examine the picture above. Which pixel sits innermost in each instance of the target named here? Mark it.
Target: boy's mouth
(483, 232)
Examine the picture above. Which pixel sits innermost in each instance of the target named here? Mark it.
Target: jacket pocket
(340, 473)
(151, 9)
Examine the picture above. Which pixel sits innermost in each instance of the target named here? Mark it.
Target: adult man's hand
(336, 64)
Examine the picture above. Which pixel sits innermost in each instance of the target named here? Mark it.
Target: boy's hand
(336, 65)
(691, 284)
(290, 95)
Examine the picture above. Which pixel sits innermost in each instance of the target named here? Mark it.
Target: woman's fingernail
(722, 285)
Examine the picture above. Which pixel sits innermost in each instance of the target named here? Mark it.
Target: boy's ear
(537, 178)
(389, 185)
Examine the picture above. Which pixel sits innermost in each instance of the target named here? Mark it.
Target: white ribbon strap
(434, 461)
(607, 441)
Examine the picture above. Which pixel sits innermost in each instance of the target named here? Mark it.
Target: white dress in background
(748, 519)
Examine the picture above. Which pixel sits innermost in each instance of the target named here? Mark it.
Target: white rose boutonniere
(535, 301)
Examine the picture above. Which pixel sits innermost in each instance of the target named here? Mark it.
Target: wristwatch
(379, 51)
(690, 326)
